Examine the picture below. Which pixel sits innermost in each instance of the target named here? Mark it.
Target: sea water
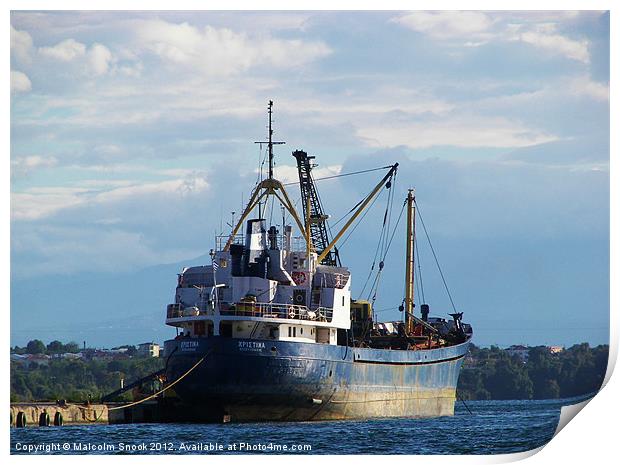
(492, 427)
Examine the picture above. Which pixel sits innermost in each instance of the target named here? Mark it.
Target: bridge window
(199, 328)
(226, 329)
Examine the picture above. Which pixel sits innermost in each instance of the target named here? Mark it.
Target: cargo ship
(268, 331)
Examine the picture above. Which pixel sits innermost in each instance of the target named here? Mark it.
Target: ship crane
(314, 216)
(272, 187)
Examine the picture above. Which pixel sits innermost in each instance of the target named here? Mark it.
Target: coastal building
(28, 360)
(555, 349)
(148, 349)
(67, 356)
(522, 352)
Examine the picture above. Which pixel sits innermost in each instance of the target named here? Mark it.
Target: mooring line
(96, 419)
(146, 398)
(164, 389)
(462, 400)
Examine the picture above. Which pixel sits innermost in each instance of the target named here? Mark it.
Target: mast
(265, 188)
(409, 271)
(270, 143)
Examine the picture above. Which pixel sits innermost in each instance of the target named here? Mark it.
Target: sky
(132, 141)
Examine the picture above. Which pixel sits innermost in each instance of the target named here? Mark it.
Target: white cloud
(41, 202)
(99, 59)
(221, 51)
(589, 88)
(177, 187)
(288, 174)
(448, 24)
(383, 99)
(20, 82)
(67, 50)
(557, 44)
(472, 131)
(37, 203)
(479, 28)
(106, 183)
(96, 59)
(71, 249)
(27, 164)
(21, 45)
(134, 70)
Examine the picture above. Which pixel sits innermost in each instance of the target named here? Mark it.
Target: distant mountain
(103, 309)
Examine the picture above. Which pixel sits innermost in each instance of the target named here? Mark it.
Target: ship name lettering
(251, 345)
(189, 345)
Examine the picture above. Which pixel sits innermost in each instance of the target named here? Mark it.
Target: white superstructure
(263, 287)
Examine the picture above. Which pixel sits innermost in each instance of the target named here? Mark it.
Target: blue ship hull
(262, 380)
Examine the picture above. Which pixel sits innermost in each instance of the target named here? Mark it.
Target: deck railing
(175, 310)
(255, 309)
(298, 243)
(275, 310)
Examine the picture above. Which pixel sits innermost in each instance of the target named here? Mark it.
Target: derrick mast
(312, 209)
(409, 264)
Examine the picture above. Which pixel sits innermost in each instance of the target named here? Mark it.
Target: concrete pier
(52, 414)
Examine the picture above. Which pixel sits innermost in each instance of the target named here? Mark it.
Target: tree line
(493, 374)
(77, 380)
(488, 374)
(36, 346)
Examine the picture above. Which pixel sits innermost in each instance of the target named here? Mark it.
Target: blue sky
(132, 138)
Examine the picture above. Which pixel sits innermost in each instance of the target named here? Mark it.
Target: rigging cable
(270, 211)
(342, 175)
(435, 256)
(352, 209)
(330, 235)
(262, 158)
(368, 208)
(259, 174)
(380, 244)
(400, 215)
(383, 239)
(372, 267)
(418, 261)
(416, 275)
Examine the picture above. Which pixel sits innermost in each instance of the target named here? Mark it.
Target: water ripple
(495, 427)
